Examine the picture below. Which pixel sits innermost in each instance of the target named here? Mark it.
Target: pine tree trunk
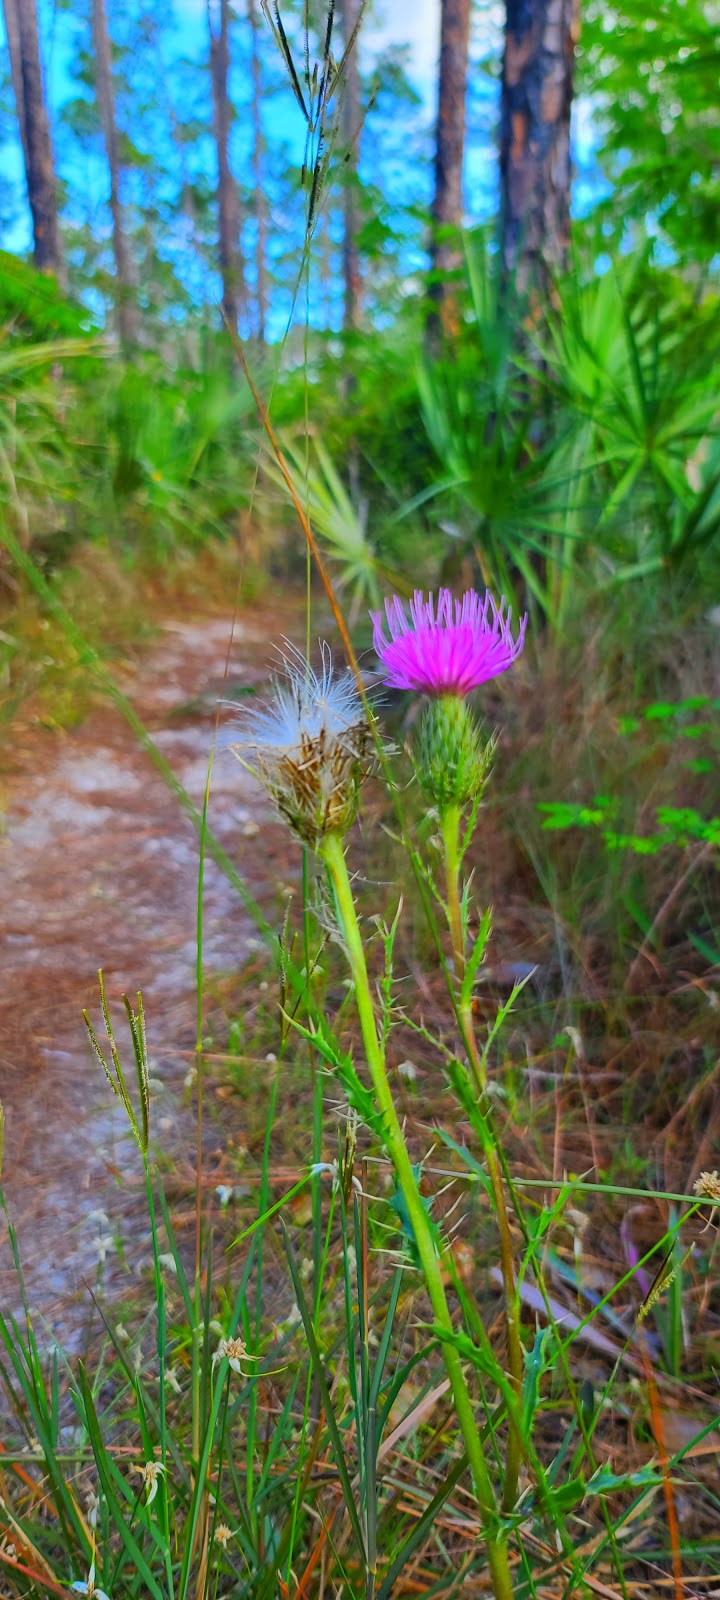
(125, 309)
(227, 195)
(260, 216)
(21, 23)
(350, 13)
(447, 207)
(535, 174)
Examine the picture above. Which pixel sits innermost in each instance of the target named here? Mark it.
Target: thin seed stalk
(496, 1539)
(450, 827)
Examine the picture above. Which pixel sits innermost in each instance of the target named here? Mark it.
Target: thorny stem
(450, 825)
(495, 1536)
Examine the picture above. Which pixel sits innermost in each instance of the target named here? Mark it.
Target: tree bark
(257, 164)
(125, 309)
(350, 14)
(227, 195)
(447, 206)
(21, 23)
(535, 173)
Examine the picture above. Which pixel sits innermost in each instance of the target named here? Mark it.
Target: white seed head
(310, 745)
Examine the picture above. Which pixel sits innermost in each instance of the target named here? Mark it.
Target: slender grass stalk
(495, 1536)
(450, 827)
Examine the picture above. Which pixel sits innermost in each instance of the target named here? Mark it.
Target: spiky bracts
(452, 760)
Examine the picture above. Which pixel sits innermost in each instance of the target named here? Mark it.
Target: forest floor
(98, 868)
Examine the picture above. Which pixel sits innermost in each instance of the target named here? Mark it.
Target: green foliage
(33, 308)
(676, 825)
(341, 524)
(561, 458)
(652, 76)
(586, 452)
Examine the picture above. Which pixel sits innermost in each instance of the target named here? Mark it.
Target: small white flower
(167, 1262)
(707, 1187)
(224, 1192)
(407, 1070)
(89, 1587)
(223, 1535)
(332, 1168)
(171, 1379)
(92, 1504)
(150, 1473)
(271, 1058)
(234, 1352)
(190, 1078)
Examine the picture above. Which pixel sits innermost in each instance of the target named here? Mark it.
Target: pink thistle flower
(449, 648)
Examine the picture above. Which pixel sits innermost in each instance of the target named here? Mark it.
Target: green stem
(496, 1538)
(450, 825)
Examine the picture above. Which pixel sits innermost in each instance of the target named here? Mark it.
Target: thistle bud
(452, 761)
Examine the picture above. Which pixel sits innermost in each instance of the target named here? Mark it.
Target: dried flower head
(311, 746)
(707, 1187)
(223, 1535)
(448, 648)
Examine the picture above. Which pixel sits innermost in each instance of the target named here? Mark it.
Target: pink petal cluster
(446, 648)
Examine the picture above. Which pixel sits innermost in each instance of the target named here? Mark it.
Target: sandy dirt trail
(98, 867)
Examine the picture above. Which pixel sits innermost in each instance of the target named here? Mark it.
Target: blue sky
(388, 24)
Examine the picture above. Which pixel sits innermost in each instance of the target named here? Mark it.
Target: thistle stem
(450, 819)
(495, 1537)
(450, 825)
